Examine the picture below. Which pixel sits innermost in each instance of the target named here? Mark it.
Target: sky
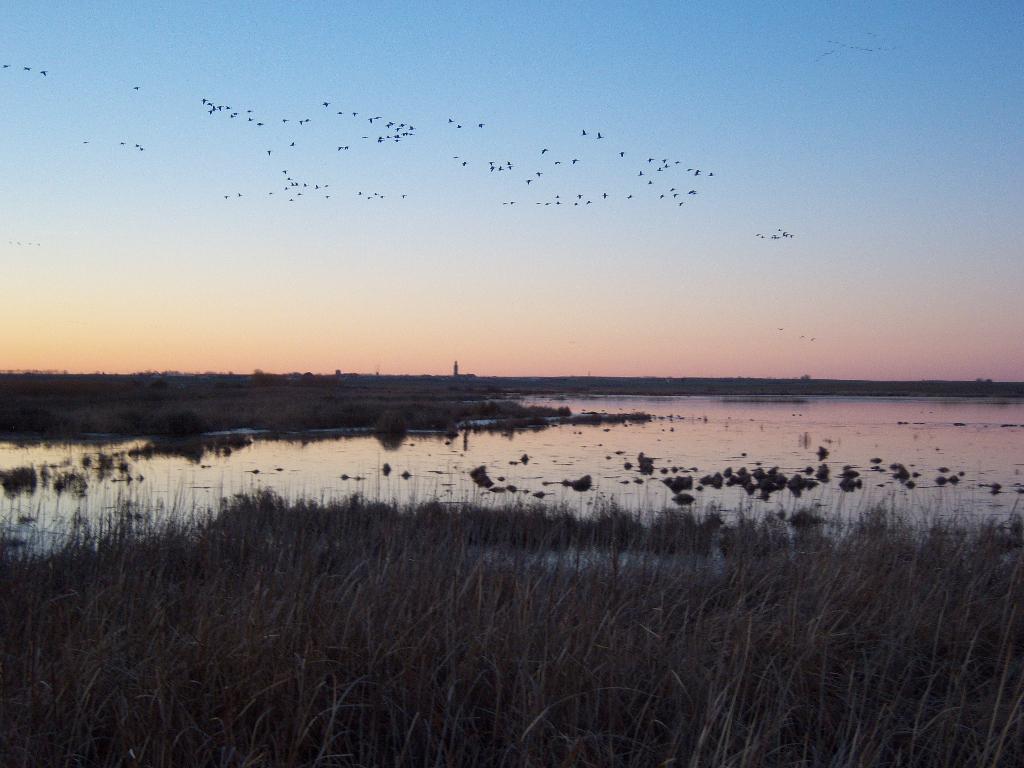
(899, 170)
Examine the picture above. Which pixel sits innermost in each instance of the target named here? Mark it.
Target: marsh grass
(67, 406)
(71, 481)
(269, 633)
(19, 480)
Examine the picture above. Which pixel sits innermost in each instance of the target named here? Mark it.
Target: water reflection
(943, 456)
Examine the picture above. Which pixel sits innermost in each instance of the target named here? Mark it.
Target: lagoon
(980, 443)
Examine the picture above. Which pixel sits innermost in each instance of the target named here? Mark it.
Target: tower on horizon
(455, 368)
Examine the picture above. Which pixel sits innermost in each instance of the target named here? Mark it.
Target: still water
(983, 440)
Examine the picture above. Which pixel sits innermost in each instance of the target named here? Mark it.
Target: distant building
(455, 368)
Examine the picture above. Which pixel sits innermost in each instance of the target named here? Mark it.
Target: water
(984, 440)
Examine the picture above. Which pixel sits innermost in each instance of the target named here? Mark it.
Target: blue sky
(900, 170)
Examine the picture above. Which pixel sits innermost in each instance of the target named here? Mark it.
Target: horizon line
(470, 375)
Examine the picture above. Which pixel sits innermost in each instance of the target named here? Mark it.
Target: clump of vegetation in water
(479, 476)
(192, 448)
(70, 481)
(580, 484)
(19, 480)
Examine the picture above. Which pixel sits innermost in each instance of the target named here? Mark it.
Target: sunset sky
(899, 169)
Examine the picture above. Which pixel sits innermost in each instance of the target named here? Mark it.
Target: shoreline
(178, 406)
(588, 418)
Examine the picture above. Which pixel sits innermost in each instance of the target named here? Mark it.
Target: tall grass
(275, 634)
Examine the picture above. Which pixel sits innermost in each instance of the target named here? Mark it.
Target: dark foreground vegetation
(55, 405)
(270, 634)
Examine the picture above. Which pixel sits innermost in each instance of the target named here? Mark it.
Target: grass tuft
(19, 480)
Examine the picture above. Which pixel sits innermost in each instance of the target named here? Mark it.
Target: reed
(269, 633)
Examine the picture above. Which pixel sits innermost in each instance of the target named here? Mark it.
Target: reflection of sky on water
(707, 433)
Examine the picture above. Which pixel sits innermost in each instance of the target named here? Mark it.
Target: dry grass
(276, 634)
(185, 406)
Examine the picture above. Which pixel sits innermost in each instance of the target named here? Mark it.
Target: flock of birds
(42, 72)
(545, 164)
(545, 179)
(803, 336)
(378, 129)
(839, 46)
